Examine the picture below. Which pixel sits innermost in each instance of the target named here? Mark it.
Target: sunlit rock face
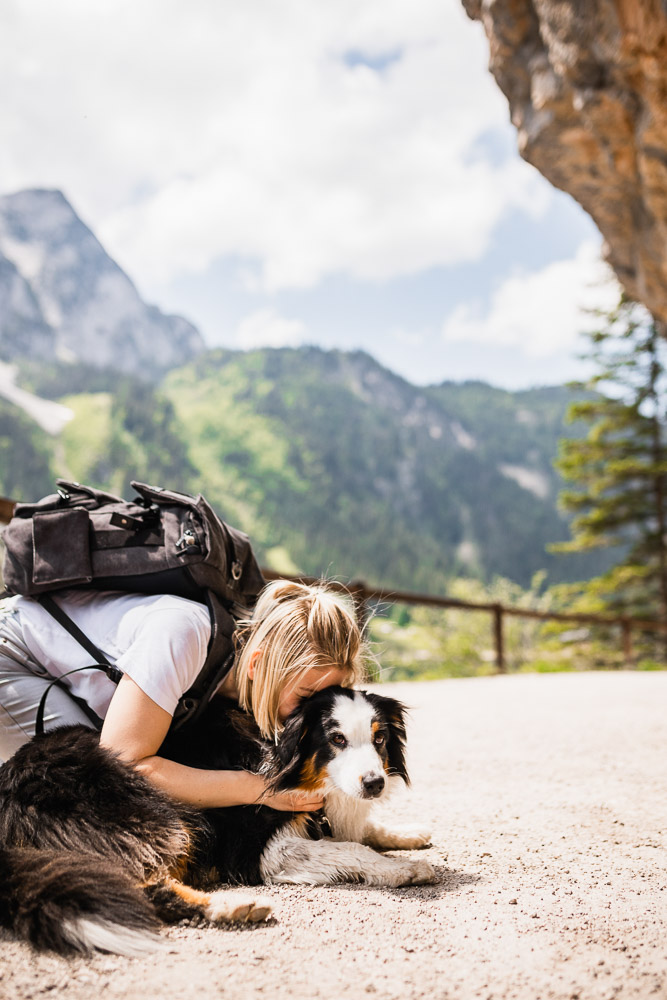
(62, 296)
(23, 330)
(586, 82)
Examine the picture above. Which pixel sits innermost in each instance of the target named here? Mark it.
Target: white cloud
(187, 132)
(543, 312)
(265, 328)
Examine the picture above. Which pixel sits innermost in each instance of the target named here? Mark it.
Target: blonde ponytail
(296, 627)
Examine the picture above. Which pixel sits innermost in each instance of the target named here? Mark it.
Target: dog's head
(352, 741)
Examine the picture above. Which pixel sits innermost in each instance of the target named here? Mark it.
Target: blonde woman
(299, 640)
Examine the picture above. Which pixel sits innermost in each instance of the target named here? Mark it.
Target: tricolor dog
(93, 856)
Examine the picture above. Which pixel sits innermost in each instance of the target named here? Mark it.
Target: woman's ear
(254, 659)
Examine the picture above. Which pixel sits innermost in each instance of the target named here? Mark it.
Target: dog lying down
(93, 856)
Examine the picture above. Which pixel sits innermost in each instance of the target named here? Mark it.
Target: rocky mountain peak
(62, 296)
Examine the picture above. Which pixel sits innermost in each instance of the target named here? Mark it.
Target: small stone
(513, 902)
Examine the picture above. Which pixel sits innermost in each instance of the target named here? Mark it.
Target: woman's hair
(297, 627)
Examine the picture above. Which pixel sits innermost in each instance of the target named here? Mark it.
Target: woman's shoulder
(118, 617)
(122, 602)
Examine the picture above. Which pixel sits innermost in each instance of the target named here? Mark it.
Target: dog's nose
(372, 785)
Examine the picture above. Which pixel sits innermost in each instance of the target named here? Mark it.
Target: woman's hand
(293, 801)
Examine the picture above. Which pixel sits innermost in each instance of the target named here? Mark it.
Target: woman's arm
(134, 729)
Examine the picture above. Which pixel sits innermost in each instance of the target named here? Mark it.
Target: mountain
(330, 462)
(62, 296)
(23, 329)
(346, 467)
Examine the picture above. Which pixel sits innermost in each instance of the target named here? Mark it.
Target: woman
(299, 640)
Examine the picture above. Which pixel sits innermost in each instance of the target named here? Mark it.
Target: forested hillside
(330, 462)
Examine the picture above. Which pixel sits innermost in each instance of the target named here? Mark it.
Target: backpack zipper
(188, 542)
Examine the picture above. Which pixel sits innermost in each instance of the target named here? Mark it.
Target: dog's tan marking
(310, 777)
(195, 897)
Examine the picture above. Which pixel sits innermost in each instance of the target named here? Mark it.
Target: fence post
(626, 631)
(358, 590)
(499, 638)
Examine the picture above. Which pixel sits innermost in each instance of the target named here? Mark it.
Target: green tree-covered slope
(330, 462)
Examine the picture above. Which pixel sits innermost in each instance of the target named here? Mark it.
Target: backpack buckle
(188, 542)
(126, 522)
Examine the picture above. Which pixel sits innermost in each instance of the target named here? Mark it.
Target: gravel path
(547, 796)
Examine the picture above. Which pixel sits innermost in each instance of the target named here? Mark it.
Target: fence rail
(363, 594)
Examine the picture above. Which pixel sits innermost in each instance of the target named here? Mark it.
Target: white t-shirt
(160, 642)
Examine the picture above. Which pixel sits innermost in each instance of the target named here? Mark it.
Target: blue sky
(344, 175)
(399, 320)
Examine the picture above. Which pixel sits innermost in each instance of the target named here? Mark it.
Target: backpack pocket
(61, 548)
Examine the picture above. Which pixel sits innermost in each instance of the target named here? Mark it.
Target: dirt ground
(547, 796)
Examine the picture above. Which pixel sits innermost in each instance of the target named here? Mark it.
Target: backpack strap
(101, 663)
(57, 682)
(220, 658)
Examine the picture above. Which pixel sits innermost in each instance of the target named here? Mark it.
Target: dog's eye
(379, 739)
(338, 739)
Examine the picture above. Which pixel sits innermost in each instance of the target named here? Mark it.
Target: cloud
(543, 312)
(308, 139)
(265, 328)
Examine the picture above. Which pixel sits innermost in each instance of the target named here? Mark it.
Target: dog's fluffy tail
(70, 902)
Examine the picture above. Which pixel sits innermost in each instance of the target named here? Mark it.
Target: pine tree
(619, 469)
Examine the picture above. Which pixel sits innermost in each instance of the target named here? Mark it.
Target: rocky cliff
(62, 296)
(587, 88)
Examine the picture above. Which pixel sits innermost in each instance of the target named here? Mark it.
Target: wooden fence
(362, 595)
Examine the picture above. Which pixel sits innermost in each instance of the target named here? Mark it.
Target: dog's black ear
(393, 714)
(290, 753)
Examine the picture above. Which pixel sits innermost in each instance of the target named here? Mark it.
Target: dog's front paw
(398, 873)
(422, 872)
(226, 907)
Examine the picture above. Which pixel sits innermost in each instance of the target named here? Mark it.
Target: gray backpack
(162, 542)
